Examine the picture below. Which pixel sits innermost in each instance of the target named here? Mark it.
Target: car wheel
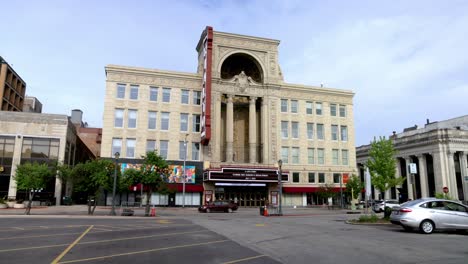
(229, 210)
(426, 227)
(208, 210)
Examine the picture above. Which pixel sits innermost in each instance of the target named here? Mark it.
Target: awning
(173, 186)
(307, 189)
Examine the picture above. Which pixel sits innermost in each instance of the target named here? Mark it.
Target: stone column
(423, 175)
(252, 131)
(229, 128)
(409, 179)
(398, 175)
(438, 171)
(264, 132)
(12, 189)
(464, 173)
(451, 176)
(217, 127)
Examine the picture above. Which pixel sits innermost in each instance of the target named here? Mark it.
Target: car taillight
(405, 210)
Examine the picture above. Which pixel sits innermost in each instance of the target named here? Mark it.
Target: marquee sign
(205, 121)
(245, 175)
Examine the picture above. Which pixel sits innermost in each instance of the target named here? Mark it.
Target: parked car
(429, 214)
(218, 206)
(379, 206)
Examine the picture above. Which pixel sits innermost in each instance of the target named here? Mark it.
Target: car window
(454, 207)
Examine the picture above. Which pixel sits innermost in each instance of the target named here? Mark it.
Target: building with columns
(439, 151)
(232, 120)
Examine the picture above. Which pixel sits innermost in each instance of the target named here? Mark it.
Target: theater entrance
(244, 196)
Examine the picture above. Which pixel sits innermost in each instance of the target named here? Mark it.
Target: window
(344, 133)
(321, 177)
(116, 146)
(334, 132)
(309, 108)
(163, 148)
(182, 150)
(310, 130)
(321, 156)
(295, 155)
(164, 121)
(150, 145)
(151, 120)
(184, 122)
(35, 149)
(285, 154)
(295, 176)
(320, 131)
(333, 109)
(118, 117)
(318, 108)
(311, 155)
(132, 118)
(336, 177)
(335, 157)
(196, 123)
(166, 96)
(134, 92)
(121, 91)
(185, 97)
(130, 148)
(284, 105)
(293, 106)
(195, 151)
(344, 157)
(342, 110)
(311, 177)
(196, 97)
(295, 129)
(284, 129)
(153, 94)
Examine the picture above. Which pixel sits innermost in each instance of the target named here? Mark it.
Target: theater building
(235, 117)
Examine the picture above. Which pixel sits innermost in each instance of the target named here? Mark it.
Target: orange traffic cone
(265, 212)
(153, 212)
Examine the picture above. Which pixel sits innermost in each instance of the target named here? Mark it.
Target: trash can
(66, 200)
(262, 210)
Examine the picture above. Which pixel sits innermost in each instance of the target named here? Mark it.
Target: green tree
(32, 177)
(326, 191)
(354, 186)
(151, 174)
(382, 165)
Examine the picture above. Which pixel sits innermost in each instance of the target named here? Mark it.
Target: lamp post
(341, 191)
(280, 185)
(183, 173)
(116, 156)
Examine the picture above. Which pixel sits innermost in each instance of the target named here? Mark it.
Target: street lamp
(280, 185)
(341, 191)
(116, 156)
(184, 176)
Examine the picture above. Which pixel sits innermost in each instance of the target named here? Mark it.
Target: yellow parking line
(244, 259)
(39, 247)
(57, 259)
(144, 251)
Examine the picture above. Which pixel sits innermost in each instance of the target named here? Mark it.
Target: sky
(406, 61)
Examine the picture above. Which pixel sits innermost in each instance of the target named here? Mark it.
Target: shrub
(368, 218)
(387, 212)
(443, 196)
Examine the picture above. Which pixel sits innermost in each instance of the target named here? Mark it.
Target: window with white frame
(284, 129)
(284, 105)
(163, 148)
(311, 156)
(153, 96)
(295, 155)
(132, 118)
(121, 91)
(309, 108)
(195, 151)
(335, 160)
(321, 156)
(342, 110)
(294, 106)
(116, 146)
(344, 133)
(195, 123)
(321, 177)
(196, 97)
(295, 129)
(134, 92)
(166, 96)
(130, 153)
(118, 117)
(311, 177)
(295, 177)
(285, 154)
(151, 120)
(182, 150)
(185, 97)
(336, 178)
(310, 130)
(164, 121)
(318, 108)
(333, 109)
(344, 156)
(334, 132)
(320, 134)
(184, 122)
(150, 145)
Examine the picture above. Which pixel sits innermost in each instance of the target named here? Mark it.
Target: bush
(387, 212)
(368, 218)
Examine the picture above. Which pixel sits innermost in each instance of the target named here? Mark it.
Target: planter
(11, 204)
(3, 206)
(18, 206)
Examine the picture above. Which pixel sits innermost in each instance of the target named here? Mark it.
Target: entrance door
(171, 202)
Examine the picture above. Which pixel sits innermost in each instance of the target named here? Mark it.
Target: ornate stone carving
(273, 64)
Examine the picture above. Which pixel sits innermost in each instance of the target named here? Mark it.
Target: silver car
(429, 214)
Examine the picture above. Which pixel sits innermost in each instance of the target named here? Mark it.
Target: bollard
(153, 212)
(265, 212)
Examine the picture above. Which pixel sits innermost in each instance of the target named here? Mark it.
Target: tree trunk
(148, 200)
(28, 208)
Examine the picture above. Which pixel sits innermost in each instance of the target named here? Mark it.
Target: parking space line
(57, 259)
(101, 229)
(244, 259)
(21, 237)
(38, 247)
(145, 251)
(139, 237)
